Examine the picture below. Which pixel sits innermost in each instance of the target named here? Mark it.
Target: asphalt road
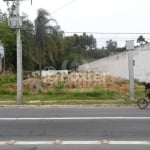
(70, 128)
(77, 147)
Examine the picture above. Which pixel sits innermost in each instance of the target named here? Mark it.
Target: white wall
(117, 65)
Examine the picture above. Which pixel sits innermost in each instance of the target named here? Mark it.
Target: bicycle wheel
(142, 103)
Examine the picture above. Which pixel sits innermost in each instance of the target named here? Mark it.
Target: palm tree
(48, 39)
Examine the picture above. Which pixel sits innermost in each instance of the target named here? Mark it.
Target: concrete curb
(70, 106)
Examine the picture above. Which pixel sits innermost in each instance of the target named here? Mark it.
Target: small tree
(111, 44)
(141, 40)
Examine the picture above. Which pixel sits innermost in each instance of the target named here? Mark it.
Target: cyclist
(143, 102)
(147, 89)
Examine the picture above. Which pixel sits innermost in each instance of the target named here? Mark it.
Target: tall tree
(8, 38)
(47, 39)
(27, 44)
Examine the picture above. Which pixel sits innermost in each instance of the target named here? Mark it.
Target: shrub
(4, 79)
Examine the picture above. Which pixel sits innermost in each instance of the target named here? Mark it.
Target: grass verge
(67, 97)
(60, 96)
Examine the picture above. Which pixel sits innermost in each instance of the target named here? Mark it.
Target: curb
(71, 106)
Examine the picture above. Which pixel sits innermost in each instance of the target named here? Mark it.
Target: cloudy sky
(94, 15)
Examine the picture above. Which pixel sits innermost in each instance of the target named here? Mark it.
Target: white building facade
(117, 65)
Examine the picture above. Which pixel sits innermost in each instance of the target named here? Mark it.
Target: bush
(59, 85)
(7, 92)
(4, 79)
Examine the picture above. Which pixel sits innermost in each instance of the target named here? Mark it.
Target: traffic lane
(76, 129)
(18, 112)
(76, 147)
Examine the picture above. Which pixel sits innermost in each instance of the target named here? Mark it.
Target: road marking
(81, 118)
(77, 143)
(81, 142)
(130, 142)
(34, 143)
(3, 142)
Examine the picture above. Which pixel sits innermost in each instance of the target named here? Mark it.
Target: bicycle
(142, 103)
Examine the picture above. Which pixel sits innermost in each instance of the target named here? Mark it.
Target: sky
(107, 16)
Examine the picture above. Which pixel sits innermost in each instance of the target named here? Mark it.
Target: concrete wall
(117, 65)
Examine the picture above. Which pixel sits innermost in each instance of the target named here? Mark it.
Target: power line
(102, 37)
(120, 38)
(62, 7)
(133, 33)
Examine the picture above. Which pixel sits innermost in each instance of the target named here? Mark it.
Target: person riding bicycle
(147, 89)
(143, 102)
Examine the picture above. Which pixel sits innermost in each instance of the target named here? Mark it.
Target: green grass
(7, 92)
(59, 95)
(139, 90)
(65, 96)
(5, 79)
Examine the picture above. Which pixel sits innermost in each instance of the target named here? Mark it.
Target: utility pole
(130, 48)
(15, 22)
(19, 60)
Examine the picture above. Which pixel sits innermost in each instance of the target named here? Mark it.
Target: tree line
(45, 44)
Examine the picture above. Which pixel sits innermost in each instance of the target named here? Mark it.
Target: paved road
(77, 147)
(44, 112)
(74, 128)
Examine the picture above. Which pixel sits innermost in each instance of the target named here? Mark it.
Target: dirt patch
(74, 80)
(85, 81)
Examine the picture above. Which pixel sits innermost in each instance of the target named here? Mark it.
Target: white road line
(2, 142)
(76, 143)
(81, 118)
(130, 142)
(81, 142)
(34, 143)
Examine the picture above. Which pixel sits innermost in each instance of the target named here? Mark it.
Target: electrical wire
(108, 32)
(62, 7)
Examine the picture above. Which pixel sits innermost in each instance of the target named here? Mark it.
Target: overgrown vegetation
(60, 95)
(7, 79)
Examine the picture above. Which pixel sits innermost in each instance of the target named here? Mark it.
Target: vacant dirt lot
(77, 80)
